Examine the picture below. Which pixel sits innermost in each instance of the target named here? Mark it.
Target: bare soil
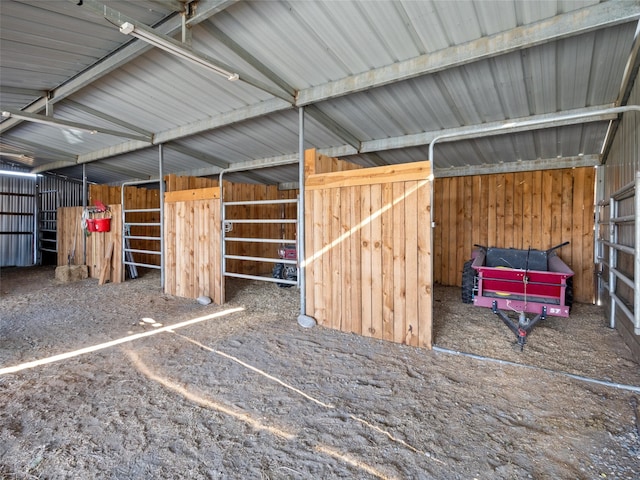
(243, 392)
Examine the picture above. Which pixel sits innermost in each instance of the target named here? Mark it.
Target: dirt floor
(241, 391)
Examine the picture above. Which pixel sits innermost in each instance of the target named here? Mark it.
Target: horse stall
(192, 241)
(258, 219)
(368, 248)
(98, 250)
(102, 247)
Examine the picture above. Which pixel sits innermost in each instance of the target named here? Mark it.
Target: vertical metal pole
(84, 205)
(636, 276)
(162, 188)
(301, 254)
(598, 247)
(37, 207)
(304, 320)
(124, 231)
(612, 261)
(223, 266)
(596, 252)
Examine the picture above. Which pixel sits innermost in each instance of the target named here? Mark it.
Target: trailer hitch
(524, 325)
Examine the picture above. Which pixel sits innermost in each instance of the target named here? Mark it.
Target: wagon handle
(557, 247)
(481, 246)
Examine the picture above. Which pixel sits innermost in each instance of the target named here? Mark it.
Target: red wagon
(520, 282)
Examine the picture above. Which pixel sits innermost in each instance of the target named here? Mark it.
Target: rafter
(196, 154)
(59, 123)
(330, 124)
(514, 125)
(570, 24)
(249, 58)
(109, 118)
(206, 8)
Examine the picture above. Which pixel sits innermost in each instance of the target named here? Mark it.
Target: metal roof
(378, 82)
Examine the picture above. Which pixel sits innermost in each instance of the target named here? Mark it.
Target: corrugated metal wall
(17, 219)
(25, 202)
(53, 193)
(621, 167)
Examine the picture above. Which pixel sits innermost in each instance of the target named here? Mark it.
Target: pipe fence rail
(228, 228)
(127, 251)
(610, 222)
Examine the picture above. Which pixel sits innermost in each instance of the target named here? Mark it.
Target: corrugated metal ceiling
(378, 80)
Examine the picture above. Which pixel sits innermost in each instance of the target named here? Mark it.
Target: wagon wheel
(468, 282)
(285, 272)
(568, 293)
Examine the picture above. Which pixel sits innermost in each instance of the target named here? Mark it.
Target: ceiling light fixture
(174, 47)
(16, 173)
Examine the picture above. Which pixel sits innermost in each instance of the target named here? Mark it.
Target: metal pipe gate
(227, 227)
(614, 221)
(127, 251)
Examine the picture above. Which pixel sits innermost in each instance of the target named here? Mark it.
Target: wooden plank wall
(174, 183)
(520, 210)
(192, 244)
(97, 245)
(368, 264)
(135, 198)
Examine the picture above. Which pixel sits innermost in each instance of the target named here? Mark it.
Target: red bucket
(102, 224)
(91, 225)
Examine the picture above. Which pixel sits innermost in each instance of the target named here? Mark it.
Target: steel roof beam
(34, 147)
(370, 146)
(242, 114)
(58, 123)
(109, 118)
(22, 91)
(130, 174)
(206, 8)
(514, 125)
(250, 59)
(570, 24)
(184, 51)
(331, 125)
(196, 154)
(174, 5)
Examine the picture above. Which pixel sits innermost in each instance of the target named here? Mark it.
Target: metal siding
(16, 249)
(622, 165)
(59, 38)
(608, 65)
(624, 158)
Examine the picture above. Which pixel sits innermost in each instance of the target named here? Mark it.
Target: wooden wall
(368, 251)
(192, 234)
(69, 230)
(520, 210)
(174, 183)
(192, 244)
(135, 198)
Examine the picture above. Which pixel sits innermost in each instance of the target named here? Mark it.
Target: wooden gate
(192, 244)
(368, 250)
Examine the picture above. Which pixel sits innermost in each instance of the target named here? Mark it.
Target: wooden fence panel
(71, 238)
(192, 246)
(368, 252)
(519, 210)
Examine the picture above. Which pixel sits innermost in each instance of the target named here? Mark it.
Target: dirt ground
(241, 391)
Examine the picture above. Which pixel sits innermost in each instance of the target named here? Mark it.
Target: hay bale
(71, 273)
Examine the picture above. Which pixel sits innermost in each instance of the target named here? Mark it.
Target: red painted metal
(522, 290)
